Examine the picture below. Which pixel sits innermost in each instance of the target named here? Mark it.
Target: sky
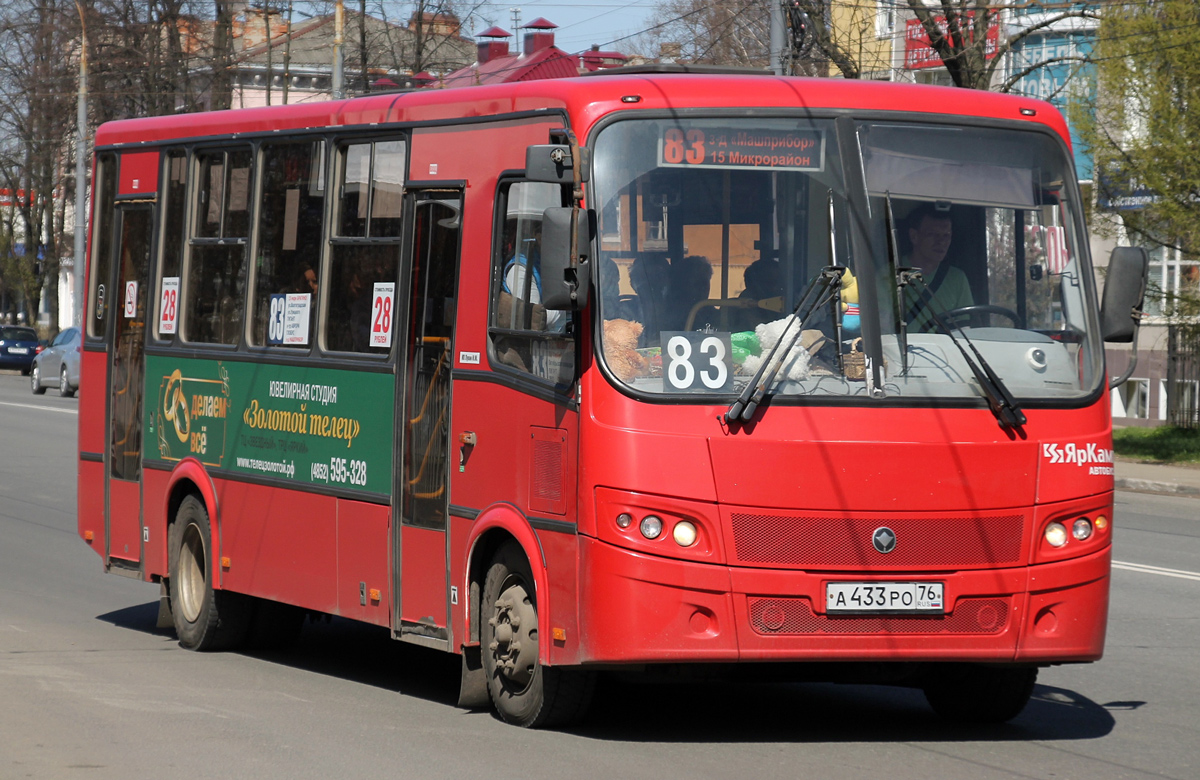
(580, 24)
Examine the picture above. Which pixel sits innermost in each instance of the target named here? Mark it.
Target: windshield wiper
(894, 271)
(1008, 413)
(751, 396)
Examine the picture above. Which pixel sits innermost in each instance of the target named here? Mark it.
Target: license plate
(911, 597)
(18, 350)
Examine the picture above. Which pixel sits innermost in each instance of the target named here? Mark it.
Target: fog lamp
(651, 527)
(624, 520)
(684, 533)
(1056, 534)
(1081, 529)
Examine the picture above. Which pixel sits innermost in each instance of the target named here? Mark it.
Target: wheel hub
(514, 645)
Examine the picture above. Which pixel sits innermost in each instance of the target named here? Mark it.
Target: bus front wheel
(205, 618)
(981, 694)
(524, 692)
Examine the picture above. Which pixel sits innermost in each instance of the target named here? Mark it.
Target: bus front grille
(845, 543)
(784, 616)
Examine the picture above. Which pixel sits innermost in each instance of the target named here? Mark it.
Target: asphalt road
(90, 688)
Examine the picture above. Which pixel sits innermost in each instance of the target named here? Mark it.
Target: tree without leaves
(962, 42)
(737, 32)
(37, 89)
(712, 32)
(416, 36)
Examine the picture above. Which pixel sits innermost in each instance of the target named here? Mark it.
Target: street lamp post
(80, 171)
(339, 34)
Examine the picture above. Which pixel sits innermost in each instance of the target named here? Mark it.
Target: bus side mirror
(1124, 292)
(565, 278)
(553, 164)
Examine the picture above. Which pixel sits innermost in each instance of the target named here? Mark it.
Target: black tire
(523, 691)
(64, 385)
(981, 694)
(25, 371)
(205, 619)
(35, 381)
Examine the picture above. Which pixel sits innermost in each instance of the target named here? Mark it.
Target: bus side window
(287, 267)
(523, 332)
(99, 296)
(365, 247)
(173, 237)
(215, 291)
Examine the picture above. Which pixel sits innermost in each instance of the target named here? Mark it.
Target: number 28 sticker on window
(696, 362)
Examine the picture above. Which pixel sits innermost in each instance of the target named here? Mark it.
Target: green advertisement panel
(311, 425)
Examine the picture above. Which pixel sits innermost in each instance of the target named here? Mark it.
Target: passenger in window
(523, 273)
(691, 279)
(649, 276)
(360, 311)
(930, 233)
(763, 282)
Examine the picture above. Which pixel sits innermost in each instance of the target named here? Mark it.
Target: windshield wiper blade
(1008, 413)
(751, 396)
(894, 271)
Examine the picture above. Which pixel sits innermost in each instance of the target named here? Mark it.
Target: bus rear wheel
(205, 618)
(524, 692)
(981, 694)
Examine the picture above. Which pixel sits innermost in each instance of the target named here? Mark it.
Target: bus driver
(930, 231)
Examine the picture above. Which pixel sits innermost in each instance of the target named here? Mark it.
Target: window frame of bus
(253, 297)
(398, 238)
(106, 182)
(174, 227)
(495, 287)
(195, 203)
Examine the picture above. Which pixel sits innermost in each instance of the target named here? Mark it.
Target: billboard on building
(920, 54)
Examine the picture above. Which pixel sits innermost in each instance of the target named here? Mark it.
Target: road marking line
(1144, 569)
(43, 408)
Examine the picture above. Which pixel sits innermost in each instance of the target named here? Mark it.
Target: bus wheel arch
(492, 530)
(507, 609)
(205, 618)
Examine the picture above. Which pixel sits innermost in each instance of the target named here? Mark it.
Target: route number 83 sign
(696, 362)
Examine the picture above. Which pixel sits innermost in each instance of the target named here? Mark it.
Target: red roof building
(539, 58)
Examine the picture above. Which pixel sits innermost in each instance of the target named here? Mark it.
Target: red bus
(642, 370)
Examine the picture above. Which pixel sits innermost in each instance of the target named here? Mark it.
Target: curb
(1153, 486)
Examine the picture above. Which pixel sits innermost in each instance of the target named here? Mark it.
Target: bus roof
(586, 100)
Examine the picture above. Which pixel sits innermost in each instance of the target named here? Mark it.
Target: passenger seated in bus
(528, 256)
(691, 278)
(648, 276)
(763, 282)
(307, 281)
(930, 232)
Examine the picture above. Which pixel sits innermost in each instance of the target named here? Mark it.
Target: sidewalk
(1157, 478)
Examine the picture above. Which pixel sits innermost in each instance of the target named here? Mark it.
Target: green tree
(1143, 126)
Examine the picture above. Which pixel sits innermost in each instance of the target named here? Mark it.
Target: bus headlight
(1056, 534)
(651, 527)
(624, 520)
(684, 533)
(1081, 529)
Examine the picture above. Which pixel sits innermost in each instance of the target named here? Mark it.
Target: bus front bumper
(639, 608)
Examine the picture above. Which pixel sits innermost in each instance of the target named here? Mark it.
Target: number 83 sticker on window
(696, 362)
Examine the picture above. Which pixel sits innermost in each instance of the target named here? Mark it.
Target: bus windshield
(711, 230)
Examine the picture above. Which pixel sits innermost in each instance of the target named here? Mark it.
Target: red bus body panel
(778, 502)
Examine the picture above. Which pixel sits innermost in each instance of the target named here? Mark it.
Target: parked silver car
(58, 361)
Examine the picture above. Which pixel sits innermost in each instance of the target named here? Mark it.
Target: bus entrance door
(126, 385)
(425, 411)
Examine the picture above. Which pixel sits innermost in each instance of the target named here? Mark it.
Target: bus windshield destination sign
(729, 148)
